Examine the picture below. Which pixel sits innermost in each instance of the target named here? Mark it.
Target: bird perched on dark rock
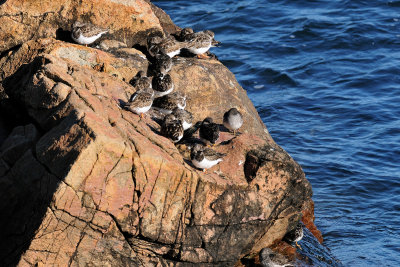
(204, 157)
(209, 131)
(172, 128)
(233, 120)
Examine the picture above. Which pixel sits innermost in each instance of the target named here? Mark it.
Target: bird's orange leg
(203, 56)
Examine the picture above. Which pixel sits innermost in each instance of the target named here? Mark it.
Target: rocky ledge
(84, 182)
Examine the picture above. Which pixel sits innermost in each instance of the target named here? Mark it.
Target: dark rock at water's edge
(84, 182)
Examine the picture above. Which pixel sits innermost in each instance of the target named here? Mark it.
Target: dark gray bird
(233, 120)
(209, 131)
(269, 258)
(172, 128)
(204, 157)
(162, 84)
(294, 235)
(167, 103)
(86, 33)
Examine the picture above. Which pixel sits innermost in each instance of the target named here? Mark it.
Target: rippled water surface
(325, 78)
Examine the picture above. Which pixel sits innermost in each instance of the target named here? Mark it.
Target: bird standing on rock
(140, 101)
(86, 33)
(162, 64)
(141, 81)
(200, 42)
(233, 120)
(295, 235)
(172, 128)
(167, 103)
(204, 157)
(168, 46)
(162, 84)
(209, 131)
(184, 116)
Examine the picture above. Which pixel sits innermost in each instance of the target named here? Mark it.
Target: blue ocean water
(324, 77)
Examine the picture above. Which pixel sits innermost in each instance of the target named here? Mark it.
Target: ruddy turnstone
(200, 42)
(294, 235)
(141, 81)
(168, 46)
(140, 102)
(209, 131)
(233, 120)
(167, 103)
(269, 258)
(162, 85)
(172, 128)
(204, 157)
(86, 33)
(184, 116)
(162, 64)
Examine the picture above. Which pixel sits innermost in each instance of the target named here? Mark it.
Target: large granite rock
(128, 20)
(85, 182)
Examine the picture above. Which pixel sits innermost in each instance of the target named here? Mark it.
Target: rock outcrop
(84, 182)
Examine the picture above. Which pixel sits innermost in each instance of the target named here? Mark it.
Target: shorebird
(200, 42)
(141, 81)
(162, 84)
(204, 157)
(172, 128)
(167, 103)
(168, 46)
(184, 116)
(86, 33)
(233, 120)
(294, 235)
(209, 131)
(140, 102)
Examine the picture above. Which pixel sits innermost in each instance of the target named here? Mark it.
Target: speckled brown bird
(200, 42)
(172, 128)
(140, 102)
(184, 116)
(162, 85)
(86, 33)
(167, 103)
